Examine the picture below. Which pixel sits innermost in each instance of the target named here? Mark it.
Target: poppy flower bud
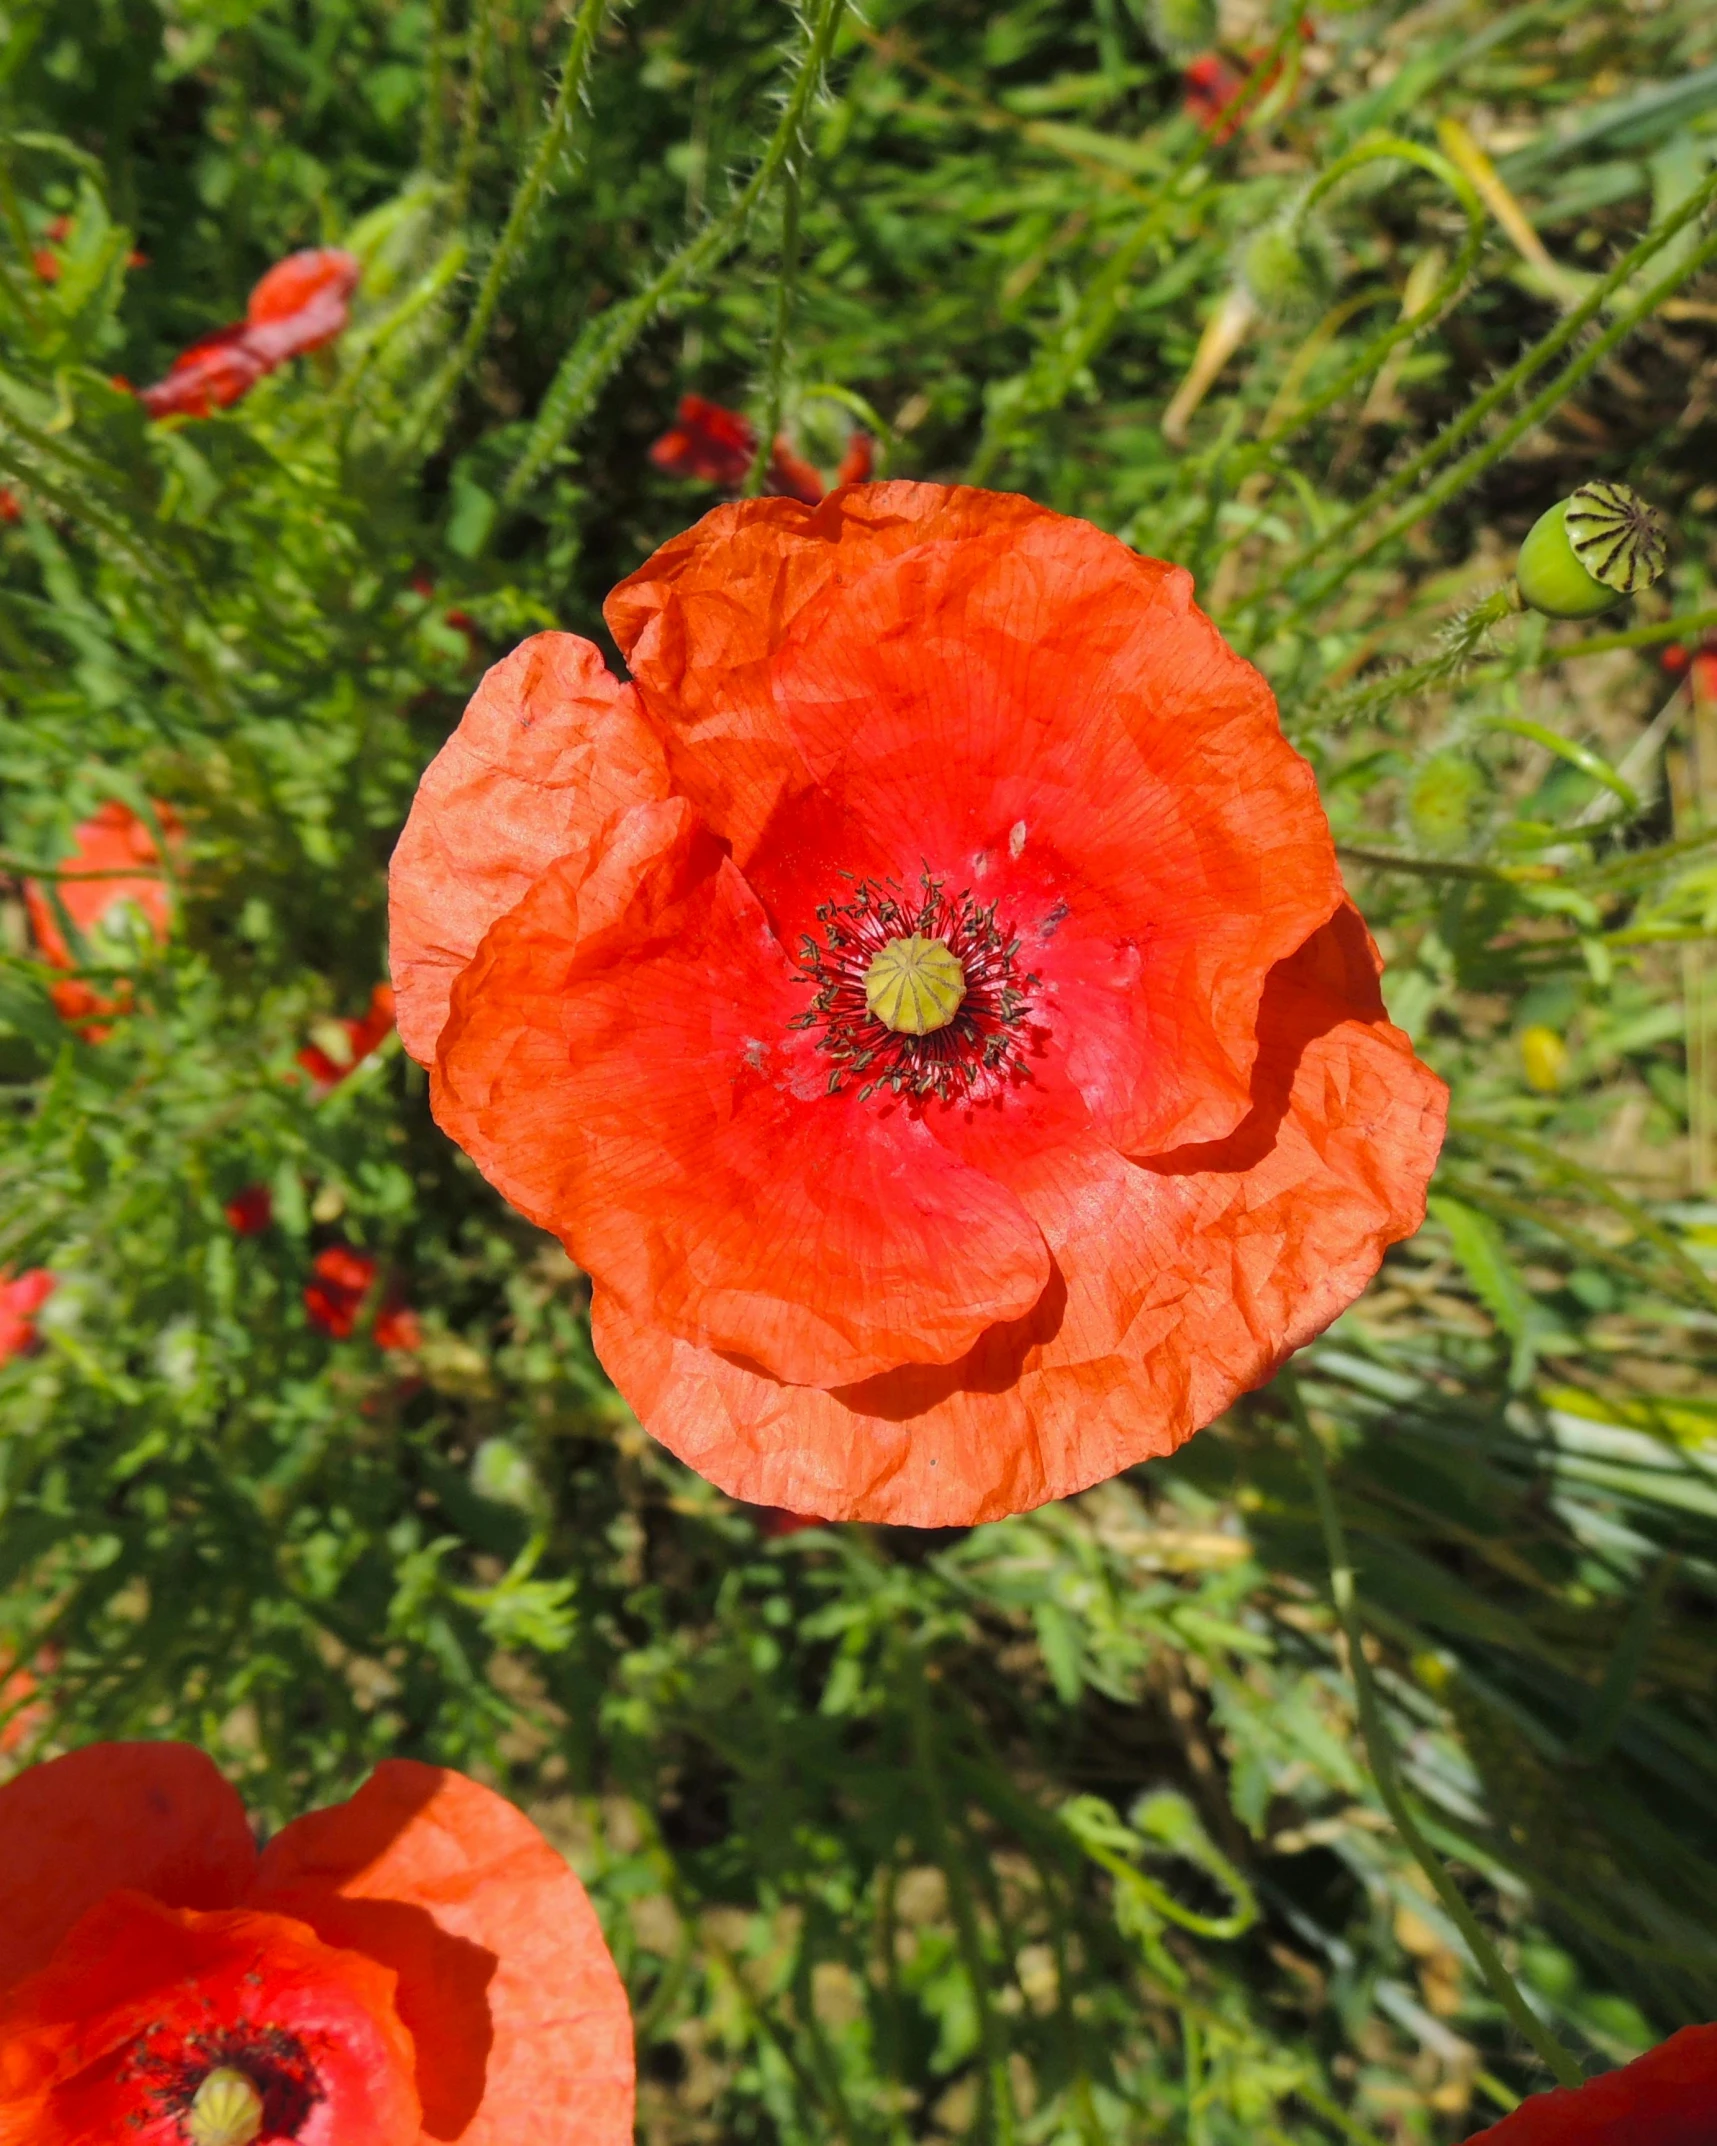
(225, 2111)
(1288, 267)
(1181, 27)
(1601, 543)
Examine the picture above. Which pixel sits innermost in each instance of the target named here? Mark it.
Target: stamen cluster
(170, 2066)
(981, 1045)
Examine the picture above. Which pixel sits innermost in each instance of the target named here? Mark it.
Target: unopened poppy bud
(1601, 543)
(1181, 28)
(227, 2110)
(1288, 267)
(1543, 1058)
(915, 985)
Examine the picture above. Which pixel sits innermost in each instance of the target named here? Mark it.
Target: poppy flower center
(224, 2088)
(914, 985)
(920, 995)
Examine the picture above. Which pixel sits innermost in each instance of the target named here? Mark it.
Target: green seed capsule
(1288, 268)
(1601, 543)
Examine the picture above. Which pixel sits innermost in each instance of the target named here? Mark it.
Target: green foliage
(1059, 1831)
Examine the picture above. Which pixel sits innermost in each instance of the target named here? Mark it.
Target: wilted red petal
(1177, 1287)
(20, 1300)
(551, 747)
(118, 848)
(790, 475)
(112, 2037)
(302, 303)
(211, 375)
(155, 1817)
(1668, 2097)
(250, 1210)
(709, 442)
(859, 461)
(519, 2019)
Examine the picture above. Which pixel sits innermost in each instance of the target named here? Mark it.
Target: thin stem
(605, 341)
(435, 90)
(1380, 1751)
(480, 46)
(551, 147)
(1502, 390)
(786, 286)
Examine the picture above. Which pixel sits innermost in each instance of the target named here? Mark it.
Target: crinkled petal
(132, 1996)
(519, 2018)
(1177, 1287)
(156, 1817)
(551, 747)
(1668, 2097)
(621, 1062)
(700, 622)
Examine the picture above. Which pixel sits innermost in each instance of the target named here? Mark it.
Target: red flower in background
(923, 1000)
(250, 1210)
(22, 1715)
(716, 445)
(299, 305)
(20, 1300)
(1668, 2097)
(335, 1296)
(11, 507)
(1212, 84)
(118, 850)
(341, 1046)
(417, 1964)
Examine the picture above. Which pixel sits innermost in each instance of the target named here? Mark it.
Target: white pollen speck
(980, 864)
(1016, 838)
(754, 1054)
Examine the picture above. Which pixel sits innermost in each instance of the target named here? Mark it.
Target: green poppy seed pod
(1181, 28)
(1601, 543)
(1288, 268)
(226, 2111)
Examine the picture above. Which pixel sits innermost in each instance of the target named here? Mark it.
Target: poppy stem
(480, 46)
(786, 286)
(1380, 1752)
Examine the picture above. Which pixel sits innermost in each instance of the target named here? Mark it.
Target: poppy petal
(622, 1062)
(520, 2021)
(551, 747)
(117, 848)
(1048, 717)
(1665, 2098)
(300, 304)
(700, 622)
(1178, 1286)
(115, 2030)
(156, 1817)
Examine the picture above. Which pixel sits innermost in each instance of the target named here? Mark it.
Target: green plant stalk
(551, 146)
(1380, 1752)
(479, 48)
(605, 341)
(1503, 388)
(786, 285)
(435, 89)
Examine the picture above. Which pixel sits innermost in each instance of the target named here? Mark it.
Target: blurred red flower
(342, 1280)
(250, 1210)
(300, 304)
(117, 850)
(716, 445)
(1212, 84)
(20, 1300)
(1668, 2097)
(417, 1964)
(923, 1000)
(340, 1046)
(11, 507)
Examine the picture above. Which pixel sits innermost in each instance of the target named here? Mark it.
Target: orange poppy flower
(1668, 2097)
(924, 1001)
(215, 372)
(417, 1965)
(20, 1300)
(342, 1280)
(341, 1046)
(300, 304)
(716, 445)
(117, 850)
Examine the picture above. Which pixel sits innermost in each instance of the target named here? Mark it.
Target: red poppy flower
(1668, 2097)
(20, 1300)
(118, 851)
(713, 444)
(11, 506)
(250, 1210)
(790, 476)
(924, 1001)
(417, 1965)
(342, 1280)
(213, 374)
(22, 1715)
(302, 303)
(342, 1046)
(1212, 84)
(859, 461)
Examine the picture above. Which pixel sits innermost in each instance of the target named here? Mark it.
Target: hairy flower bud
(1181, 28)
(1288, 267)
(1588, 551)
